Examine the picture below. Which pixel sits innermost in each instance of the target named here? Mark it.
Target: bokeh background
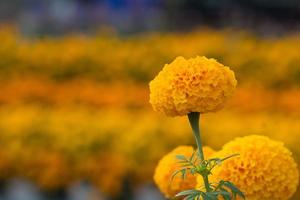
(75, 122)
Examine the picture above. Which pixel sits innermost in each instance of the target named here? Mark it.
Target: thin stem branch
(194, 122)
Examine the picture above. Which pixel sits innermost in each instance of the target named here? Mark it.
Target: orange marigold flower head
(191, 85)
(264, 169)
(168, 165)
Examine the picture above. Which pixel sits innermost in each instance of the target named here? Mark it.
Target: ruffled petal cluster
(264, 170)
(168, 165)
(191, 85)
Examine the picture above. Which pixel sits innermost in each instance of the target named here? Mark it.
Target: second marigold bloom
(168, 165)
(191, 85)
(264, 169)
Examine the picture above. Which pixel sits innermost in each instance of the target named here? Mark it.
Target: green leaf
(215, 160)
(188, 192)
(234, 189)
(186, 165)
(193, 171)
(181, 157)
(175, 173)
(194, 197)
(188, 198)
(192, 156)
(206, 196)
(183, 175)
(231, 156)
(225, 194)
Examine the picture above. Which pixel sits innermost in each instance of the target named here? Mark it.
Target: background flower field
(75, 108)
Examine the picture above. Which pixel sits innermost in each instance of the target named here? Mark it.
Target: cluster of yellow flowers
(86, 136)
(264, 169)
(194, 85)
(70, 144)
(33, 90)
(139, 57)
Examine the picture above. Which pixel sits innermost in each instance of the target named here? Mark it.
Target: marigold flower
(168, 165)
(191, 85)
(264, 170)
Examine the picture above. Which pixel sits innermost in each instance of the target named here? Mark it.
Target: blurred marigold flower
(264, 170)
(168, 165)
(191, 85)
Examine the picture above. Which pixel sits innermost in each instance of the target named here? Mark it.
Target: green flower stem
(194, 122)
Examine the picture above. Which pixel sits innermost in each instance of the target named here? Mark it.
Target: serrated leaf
(215, 160)
(234, 189)
(205, 196)
(225, 194)
(193, 171)
(183, 174)
(193, 197)
(230, 156)
(181, 157)
(213, 196)
(183, 162)
(198, 197)
(192, 156)
(188, 192)
(186, 165)
(175, 173)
